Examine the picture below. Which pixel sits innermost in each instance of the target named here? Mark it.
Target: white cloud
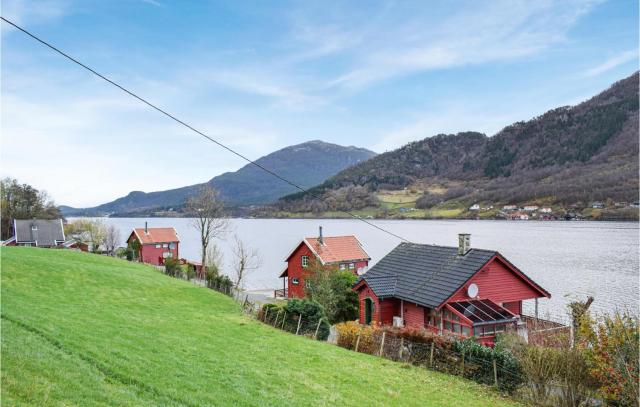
(24, 12)
(613, 62)
(479, 33)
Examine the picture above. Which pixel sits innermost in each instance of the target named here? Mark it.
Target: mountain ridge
(306, 164)
(566, 155)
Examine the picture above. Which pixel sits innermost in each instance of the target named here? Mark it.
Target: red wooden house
(457, 290)
(341, 252)
(156, 244)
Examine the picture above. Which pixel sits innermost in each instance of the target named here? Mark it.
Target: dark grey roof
(424, 274)
(40, 231)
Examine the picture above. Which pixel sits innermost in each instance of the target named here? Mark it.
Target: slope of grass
(81, 329)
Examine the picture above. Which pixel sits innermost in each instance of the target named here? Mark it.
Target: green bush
(479, 365)
(288, 313)
(172, 267)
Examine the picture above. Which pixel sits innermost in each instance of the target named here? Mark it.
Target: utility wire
(141, 99)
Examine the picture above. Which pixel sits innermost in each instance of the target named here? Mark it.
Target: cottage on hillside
(155, 244)
(340, 252)
(457, 290)
(36, 232)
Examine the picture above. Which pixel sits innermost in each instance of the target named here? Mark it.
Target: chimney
(146, 230)
(320, 236)
(464, 243)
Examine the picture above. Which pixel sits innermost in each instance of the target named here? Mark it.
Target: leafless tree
(207, 212)
(112, 239)
(247, 259)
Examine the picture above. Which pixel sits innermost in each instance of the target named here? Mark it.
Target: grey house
(38, 232)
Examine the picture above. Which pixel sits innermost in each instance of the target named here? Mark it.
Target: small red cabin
(156, 244)
(341, 252)
(457, 290)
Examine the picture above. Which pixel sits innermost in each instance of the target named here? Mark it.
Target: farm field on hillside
(80, 328)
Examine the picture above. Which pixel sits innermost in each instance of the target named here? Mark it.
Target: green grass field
(82, 329)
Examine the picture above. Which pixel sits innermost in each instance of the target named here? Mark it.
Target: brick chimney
(464, 243)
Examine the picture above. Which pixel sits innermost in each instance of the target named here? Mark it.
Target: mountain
(569, 155)
(305, 164)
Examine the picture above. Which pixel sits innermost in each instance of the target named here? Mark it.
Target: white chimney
(464, 243)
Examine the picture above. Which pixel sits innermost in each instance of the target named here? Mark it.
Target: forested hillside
(569, 155)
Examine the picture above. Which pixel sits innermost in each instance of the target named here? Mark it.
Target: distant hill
(568, 155)
(305, 164)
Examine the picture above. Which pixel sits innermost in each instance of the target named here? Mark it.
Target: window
(352, 266)
(466, 331)
(305, 262)
(172, 245)
(343, 266)
(158, 246)
(295, 281)
(34, 227)
(165, 245)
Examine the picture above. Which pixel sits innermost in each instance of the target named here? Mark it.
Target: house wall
(295, 269)
(515, 307)
(152, 255)
(389, 308)
(413, 315)
(499, 284)
(363, 293)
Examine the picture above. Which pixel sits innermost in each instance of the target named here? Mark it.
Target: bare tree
(247, 259)
(214, 258)
(112, 239)
(207, 212)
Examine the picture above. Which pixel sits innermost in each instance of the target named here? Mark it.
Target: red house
(456, 290)
(156, 244)
(341, 252)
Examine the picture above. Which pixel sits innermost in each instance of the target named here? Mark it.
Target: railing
(281, 293)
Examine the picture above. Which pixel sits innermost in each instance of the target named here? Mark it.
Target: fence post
(315, 336)
(358, 341)
(382, 343)
(462, 365)
(431, 355)
(299, 321)
(495, 373)
(266, 314)
(401, 348)
(284, 318)
(276, 321)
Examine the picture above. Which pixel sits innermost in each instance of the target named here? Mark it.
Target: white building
(474, 207)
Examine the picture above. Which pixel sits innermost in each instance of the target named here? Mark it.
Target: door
(368, 310)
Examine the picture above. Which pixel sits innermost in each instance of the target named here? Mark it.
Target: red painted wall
(152, 255)
(295, 269)
(498, 284)
(413, 315)
(515, 307)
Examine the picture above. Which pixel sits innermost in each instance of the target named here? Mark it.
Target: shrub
(348, 336)
(172, 267)
(611, 347)
(311, 313)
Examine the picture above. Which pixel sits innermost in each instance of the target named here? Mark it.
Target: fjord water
(570, 259)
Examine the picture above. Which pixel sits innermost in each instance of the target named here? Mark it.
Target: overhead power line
(174, 118)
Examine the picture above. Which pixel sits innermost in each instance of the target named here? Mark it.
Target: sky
(260, 76)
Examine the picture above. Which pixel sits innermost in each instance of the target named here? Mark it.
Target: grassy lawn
(82, 329)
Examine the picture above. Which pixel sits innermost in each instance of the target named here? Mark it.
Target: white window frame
(158, 246)
(295, 281)
(352, 266)
(343, 266)
(304, 261)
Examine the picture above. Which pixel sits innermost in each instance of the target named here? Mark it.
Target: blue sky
(263, 75)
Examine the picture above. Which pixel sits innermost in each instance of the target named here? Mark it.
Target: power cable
(174, 118)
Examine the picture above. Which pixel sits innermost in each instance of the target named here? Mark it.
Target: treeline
(22, 201)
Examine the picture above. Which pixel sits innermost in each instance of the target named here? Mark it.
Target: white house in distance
(530, 208)
(509, 208)
(546, 210)
(474, 207)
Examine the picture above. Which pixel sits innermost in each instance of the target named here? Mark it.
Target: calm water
(569, 259)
